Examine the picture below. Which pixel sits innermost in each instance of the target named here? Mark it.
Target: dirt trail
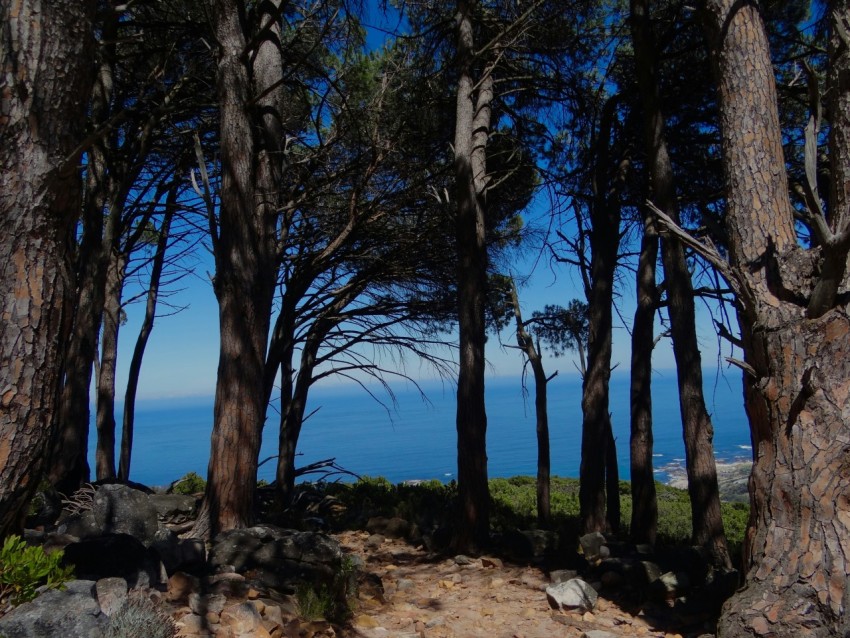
(419, 596)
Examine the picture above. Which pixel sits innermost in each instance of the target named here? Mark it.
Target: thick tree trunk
(644, 522)
(698, 431)
(604, 242)
(142, 340)
(798, 389)
(612, 481)
(105, 419)
(472, 121)
(44, 86)
(245, 250)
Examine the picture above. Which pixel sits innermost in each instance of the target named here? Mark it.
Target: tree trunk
(472, 126)
(541, 411)
(604, 242)
(797, 390)
(612, 481)
(245, 250)
(644, 522)
(105, 420)
(698, 431)
(142, 340)
(44, 89)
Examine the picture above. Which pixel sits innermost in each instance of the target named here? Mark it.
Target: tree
(794, 338)
(43, 92)
(698, 431)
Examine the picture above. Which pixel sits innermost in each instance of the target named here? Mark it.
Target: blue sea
(414, 439)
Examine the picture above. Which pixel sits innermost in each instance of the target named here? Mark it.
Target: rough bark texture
(604, 242)
(698, 431)
(44, 86)
(245, 250)
(472, 128)
(798, 393)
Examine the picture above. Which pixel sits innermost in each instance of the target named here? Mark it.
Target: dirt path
(417, 596)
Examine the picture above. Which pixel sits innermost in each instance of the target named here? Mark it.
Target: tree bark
(798, 543)
(44, 87)
(105, 418)
(604, 241)
(698, 431)
(472, 128)
(144, 334)
(246, 254)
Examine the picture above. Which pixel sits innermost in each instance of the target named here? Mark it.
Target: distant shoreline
(732, 479)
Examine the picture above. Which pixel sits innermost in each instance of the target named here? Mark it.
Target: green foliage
(329, 602)
(23, 569)
(192, 483)
(140, 617)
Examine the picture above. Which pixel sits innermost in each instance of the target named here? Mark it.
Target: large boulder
(174, 509)
(278, 558)
(73, 613)
(119, 509)
(572, 595)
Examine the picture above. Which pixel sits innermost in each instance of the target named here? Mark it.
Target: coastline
(732, 479)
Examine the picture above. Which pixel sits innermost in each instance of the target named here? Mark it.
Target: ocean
(415, 438)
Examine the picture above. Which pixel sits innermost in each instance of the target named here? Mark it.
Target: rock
(118, 555)
(174, 509)
(375, 541)
(119, 509)
(73, 613)
(241, 618)
(111, 594)
(279, 558)
(599, 633)
(180, 554)
(463, 560)
(202, 605)
(572, 595)
(491, 562)
(181, 585)
(80, 525)
(670, 585)
(593, 547)
(648, 572)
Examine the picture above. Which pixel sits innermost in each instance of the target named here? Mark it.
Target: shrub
(189, 484)
(24, 569)
(140, 617)
(329, 602)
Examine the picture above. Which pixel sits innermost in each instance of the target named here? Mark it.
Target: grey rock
(462, 559)
(599, 633)
(119, 509)
(648, 572)
(173, 509)
(73, 613)
(201, 604)
(593, 546)
(671, 585)
(572, 595)
(180, 554)
(374, 541)
(80, 525)
(115, 555)
(111, 594)
(278, 558)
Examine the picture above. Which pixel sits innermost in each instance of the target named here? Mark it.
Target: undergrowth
(24, 569)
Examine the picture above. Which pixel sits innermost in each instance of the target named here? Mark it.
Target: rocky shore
(732, 480)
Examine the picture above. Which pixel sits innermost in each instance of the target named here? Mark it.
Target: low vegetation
(25, 569)
(514, 505)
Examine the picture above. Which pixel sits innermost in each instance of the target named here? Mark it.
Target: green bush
(329, 602)
(189, 484)
(140, 617)
(23, 569)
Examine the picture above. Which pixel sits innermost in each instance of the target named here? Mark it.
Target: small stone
(272, 613)
(366, 622)
(588, 617)
(462, 559)
(180, 585)
(489, 561)
(574, 594)
(111, 594)
(252, 594)
(241, 618)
